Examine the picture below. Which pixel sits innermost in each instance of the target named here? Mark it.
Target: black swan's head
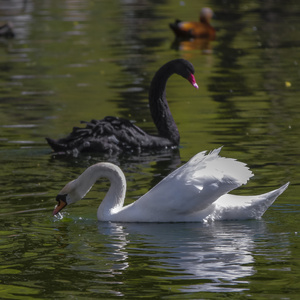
(178, 66)
(185, 69)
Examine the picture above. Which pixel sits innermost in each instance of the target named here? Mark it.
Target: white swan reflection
(212, 257)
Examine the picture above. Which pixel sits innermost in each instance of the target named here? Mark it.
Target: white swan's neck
(114, 199)
(115, 196)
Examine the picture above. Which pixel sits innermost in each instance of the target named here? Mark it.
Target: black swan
(114, 135)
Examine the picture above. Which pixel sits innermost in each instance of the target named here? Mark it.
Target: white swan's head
(181, 67)
(78, 188)
(66, 196)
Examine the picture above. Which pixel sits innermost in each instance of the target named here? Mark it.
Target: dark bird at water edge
(114, 135)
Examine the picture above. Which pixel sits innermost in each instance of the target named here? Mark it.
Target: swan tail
(233, 207)
(270, 197)
(88, 138)
(55, 145)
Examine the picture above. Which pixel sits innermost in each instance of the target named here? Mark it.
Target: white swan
(195, 192)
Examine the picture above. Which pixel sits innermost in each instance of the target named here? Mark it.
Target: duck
(198, 191)
(201, 29)
(114, 135)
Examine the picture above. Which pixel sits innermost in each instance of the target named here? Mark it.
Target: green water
(79, 60)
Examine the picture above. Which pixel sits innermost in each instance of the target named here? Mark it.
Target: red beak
(192, 80)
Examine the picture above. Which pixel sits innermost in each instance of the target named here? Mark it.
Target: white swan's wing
(195, 185)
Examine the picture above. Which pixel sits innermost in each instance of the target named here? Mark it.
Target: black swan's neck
(159, 107)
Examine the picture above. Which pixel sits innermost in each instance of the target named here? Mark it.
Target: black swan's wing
(110, 135)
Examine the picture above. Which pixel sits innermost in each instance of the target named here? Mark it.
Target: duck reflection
(203, 44)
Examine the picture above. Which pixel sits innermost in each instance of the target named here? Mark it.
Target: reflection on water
(203, 45)
(215, 257)
(218, 257)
